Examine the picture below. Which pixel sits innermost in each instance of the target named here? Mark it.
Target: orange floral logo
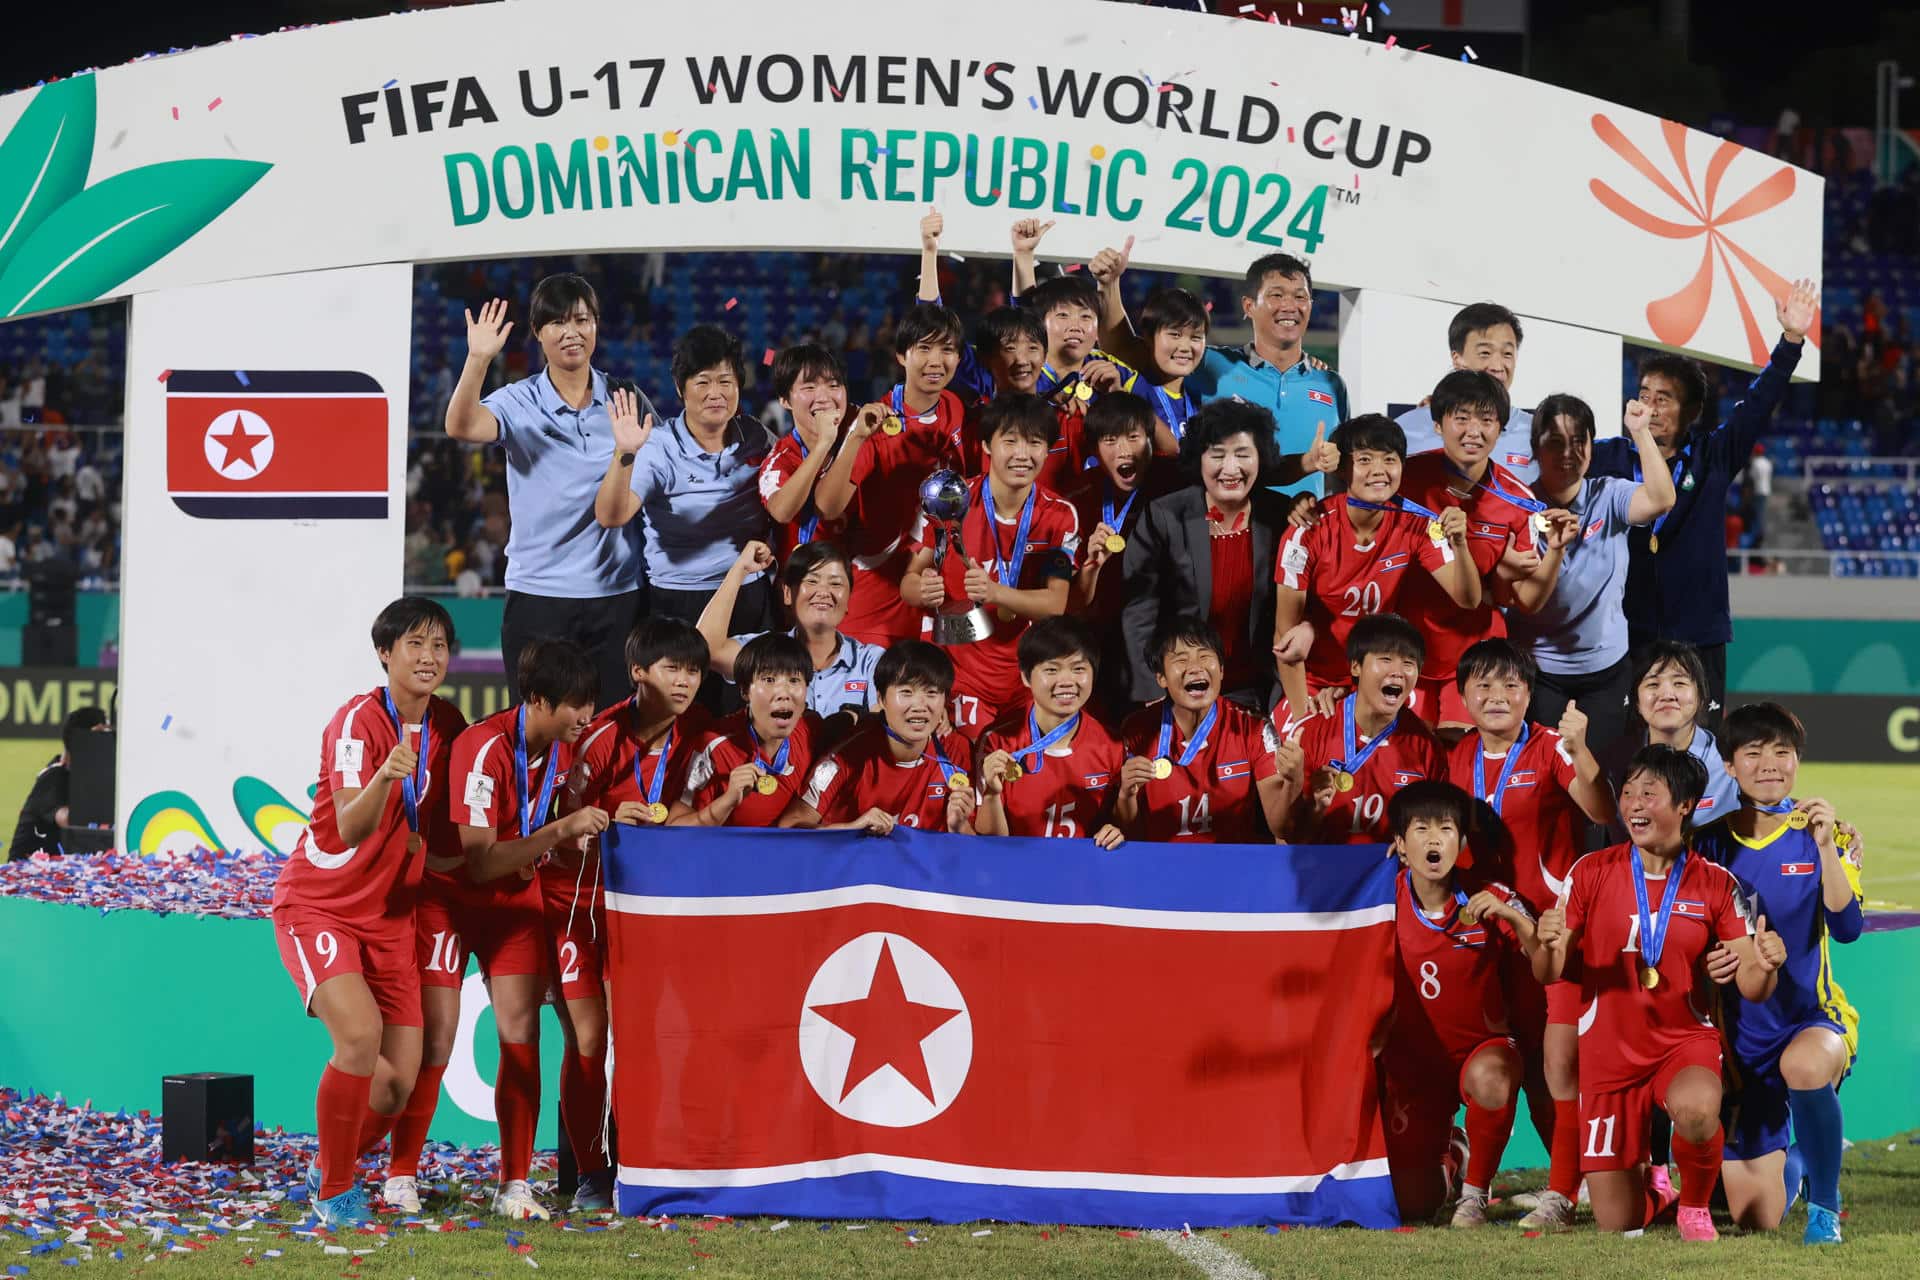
(1676, 318)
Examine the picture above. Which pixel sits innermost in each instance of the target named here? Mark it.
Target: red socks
(373, 1127)
(339, 1105)
(1487, 1134)
(516, 1101)
(410, 1126)
(1699, 1164)
(1563, 1175)
(583, 1099)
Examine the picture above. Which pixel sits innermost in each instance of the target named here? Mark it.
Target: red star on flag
(239, 444)
(887, 1028)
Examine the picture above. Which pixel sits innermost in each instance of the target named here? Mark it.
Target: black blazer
(1168, 567)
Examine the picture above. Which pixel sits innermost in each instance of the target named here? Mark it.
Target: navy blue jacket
(1680, 592)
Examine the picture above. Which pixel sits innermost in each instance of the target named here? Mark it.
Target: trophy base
(962, 626)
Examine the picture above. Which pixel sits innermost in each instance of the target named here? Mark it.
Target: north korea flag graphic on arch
(830, 1025)
(277, 444)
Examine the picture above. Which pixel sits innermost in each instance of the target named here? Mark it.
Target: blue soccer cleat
(313, 1181)
(347, 1211)
(1823, 1225)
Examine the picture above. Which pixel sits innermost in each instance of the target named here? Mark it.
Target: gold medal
(1436, 531)
(1653, 544)
(1163, 768)
(1342, 780)
(1540, 522)
(892, 426)
(1116, 544)
(1082, 391)
(766, 784)
(656, 812)
(1798, 820)
(415, 844)
(1649, 977)
(957, 780)
(1014, 771)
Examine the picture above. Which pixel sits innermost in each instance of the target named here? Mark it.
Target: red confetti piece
(1046, 1235)
(698, 1254)
(1530, 1235)
(176, 113)
(1128, 1235)
(768, 357)
(1289, 133)
(165, 374)
(1391, 41)
(216, 102)
(731, 304)
(1405, 1231)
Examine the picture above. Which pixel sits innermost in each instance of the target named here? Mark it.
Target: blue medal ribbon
(1196, 744)
(1355, 756)
(1653, 930)
(946, 767)
(659, 783)
(1460, 904)
(1678, 463)
(1009, 567)
(1506, 770)
(811, 524)
(1778, 806)
(779, 763)
(1407, 505)
(1114, 520)
(1492, 486)
(1037, 745)
(413, 787)
(1172, 412)
(539, 807)
(897, 401)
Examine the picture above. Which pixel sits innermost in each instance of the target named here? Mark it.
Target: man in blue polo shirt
(567, 576)
(1307, 399)
(1484, 336)
(1677, 569)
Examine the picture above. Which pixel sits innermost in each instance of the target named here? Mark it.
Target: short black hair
(1273, 264)
(410, 613)
(809, 360)
(1387, 633)
(1671, 653)
(1470, 389)
(666, 639)
(1115, 415)
(1762, 723)
(1547, 415)
(1685, 776)
(1685, 373)
(1058, 637)
(913, 662)
(1173, 308)
(555, 298)
(1074, 290)
(1021, 412)
(1220, 420)
(1429, 799)
(1477, 317)
(1183, 628)
(703, 347)
(810, 556)
(558, 673)
(1372, 433)
(1497, 656)
(926, 320)
(999, 328)
(772, 653)
(80, 722)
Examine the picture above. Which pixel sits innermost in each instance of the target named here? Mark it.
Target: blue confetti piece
(165, 725)
(241, 374)
(1273, 1231)
(16, 1270)
(69, 1262)
(1465, 58)
(389, 84)
(826, 1226)
(1033, 102)
(1329, 22)
(1386, 10)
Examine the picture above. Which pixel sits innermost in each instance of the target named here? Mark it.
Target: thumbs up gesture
(1768, 946)
(1573, 727)
(1320, 455)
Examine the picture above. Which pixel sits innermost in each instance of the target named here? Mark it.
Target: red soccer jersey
(986, 673)
(879, 521)
(861, 774)
(1541, 830)
(378, 879)
(1491, 519)
(487, 792)
(1626, 1031)
(1450, 995)
(609, 749)
(1359, 815)
(1090, 498)
(1214, 798)
(1346, 580)
(1066, 460)
(1072, 791)
(785, 459)
(731, 745)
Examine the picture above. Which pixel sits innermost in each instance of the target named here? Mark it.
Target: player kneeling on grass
(1793, 1049)
(508, 771)
(1640, 918)
(1449, 1007)
(900, 769)
(759, 757)
(1051, 770)
(343, 906)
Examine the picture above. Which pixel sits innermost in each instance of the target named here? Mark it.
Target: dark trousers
(753, 611)
(1602, 694)
(1713, 698)
(598, 625)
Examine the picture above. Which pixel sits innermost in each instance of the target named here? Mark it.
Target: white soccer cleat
(401, 1194)
(1552, 1212)
(1526, 1199)
(515, 1200)
(1471, 1211)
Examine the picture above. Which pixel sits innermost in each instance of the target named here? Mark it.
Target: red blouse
(1232, 597)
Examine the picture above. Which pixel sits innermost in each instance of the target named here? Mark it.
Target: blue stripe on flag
(725, 862)
(1366, 1202)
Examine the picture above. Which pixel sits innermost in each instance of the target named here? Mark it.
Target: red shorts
(316, 947)
(875, 612)
(1418, 1111)
(1439, 702)
(1614, 1124)
(576, 931)
(507, 940)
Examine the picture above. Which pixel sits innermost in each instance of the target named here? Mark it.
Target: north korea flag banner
(276, 444)
(830, 1025)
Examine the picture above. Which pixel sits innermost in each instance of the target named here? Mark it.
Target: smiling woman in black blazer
(1208, 549)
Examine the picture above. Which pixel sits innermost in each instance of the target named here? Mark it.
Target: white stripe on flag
(773, 904)
(940, 1170)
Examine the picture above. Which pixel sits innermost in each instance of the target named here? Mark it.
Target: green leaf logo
(112, 231)
(43, 162)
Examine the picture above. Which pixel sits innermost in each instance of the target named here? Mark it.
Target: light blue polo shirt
(1513, 450)
(1300, 399)
(556, 456)
(1582, 628)
(1722, 795)
(846, 683)
(698, 509)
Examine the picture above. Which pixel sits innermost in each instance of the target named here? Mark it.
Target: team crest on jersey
(937, 790)
(1095, 781)
(479, 789)
(1389, 563)
(1797, 868)
(348, 754)
(1592, 529)
(1402, 777)
(1706, 803)
(1319, 397)
(1474, 937)
(856, 686)
(1228, 770)
(1519, 460)
(1481, 530)
(1523, 778)
(1685, 907)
